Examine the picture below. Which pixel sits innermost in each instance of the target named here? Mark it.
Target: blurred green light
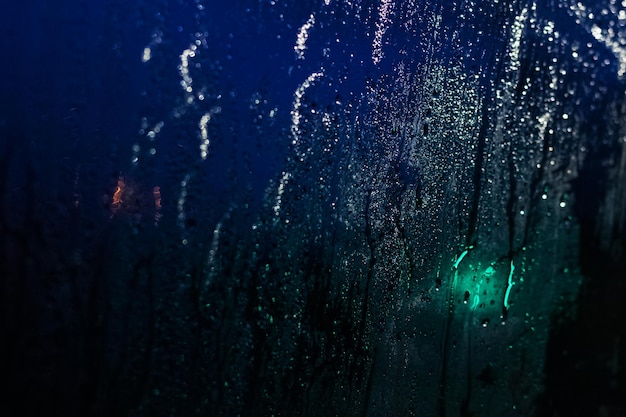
(461, 256)
(476, 302)
(508, 288)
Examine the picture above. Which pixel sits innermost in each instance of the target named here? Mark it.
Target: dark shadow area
(585, 375)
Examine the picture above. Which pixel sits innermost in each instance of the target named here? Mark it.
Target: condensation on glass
(331, 208)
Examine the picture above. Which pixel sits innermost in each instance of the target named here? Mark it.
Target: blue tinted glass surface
(312, 208)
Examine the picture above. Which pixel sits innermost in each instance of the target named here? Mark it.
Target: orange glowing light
(117, 195)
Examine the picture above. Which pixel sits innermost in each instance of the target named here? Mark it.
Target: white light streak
(607, 37)
(303, 35)
(296, 116)
(183, 69)
(281, 189)
(204, 135)
(385, 11)
(613, 40)
(516, 38)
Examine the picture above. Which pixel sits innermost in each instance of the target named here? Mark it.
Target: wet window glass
(313, 208)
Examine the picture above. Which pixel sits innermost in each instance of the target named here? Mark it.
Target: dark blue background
(98, 306)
